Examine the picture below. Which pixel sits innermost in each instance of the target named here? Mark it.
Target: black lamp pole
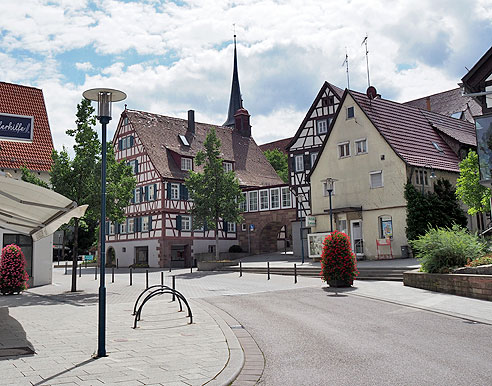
(331, 211)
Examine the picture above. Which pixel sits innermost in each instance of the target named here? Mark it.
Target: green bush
(441, 249)
(483, 260)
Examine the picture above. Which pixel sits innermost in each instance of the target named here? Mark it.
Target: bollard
(117, 263)
(268, 269)
(112, 274)
(146, 278)
(174, 287)
(240, 268)
(80, 270)
(169, 266)
(162, 278)
(131, 278)
(295, 273)
(191, 269)
(95, 272)
(66, 266)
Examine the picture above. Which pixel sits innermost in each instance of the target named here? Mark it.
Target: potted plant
(13, 275)
(338, 262)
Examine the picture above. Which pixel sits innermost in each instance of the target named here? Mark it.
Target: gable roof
(159, 136)
(336, 90)
(36, 155)
(411, 132)
(448, 103)
(280, 144)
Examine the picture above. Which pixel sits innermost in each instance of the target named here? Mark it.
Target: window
(286, 202)
(328, 101)
(376, 179)
(231, 227)
(125, 121)
(344, 149)
(350, 112)
(299, 163)
(183, 139)
(243, 205)
(253, 201)
(421, 177)
(131, 225)
(125, 143)
(138, 195)
(342, 226)
(186, 163)
(227, 166)
(322, 126)
(385, 227)
(111, 228)
(146, 223)
(438, 148)
(186, 223)
(174, 191)
(244, 227)
(134, 166)
(275, 198)
(313, 159)
(361, 146)
(264, 200)
(151, 192)
(123, 227)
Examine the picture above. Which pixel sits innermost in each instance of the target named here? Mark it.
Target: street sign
(88, 257)
(251, 227)
(310, 221)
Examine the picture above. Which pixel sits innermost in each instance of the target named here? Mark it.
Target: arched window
(385, 227)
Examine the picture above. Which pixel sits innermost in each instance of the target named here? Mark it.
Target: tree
(215, 192)
(433, 209)
(279, 161)
(80, 178)
(30, 177)
(468, 189)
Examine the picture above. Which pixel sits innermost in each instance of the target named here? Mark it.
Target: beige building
(373, 147)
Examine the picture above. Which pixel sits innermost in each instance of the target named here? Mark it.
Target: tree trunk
(217, 255)
(74, 254)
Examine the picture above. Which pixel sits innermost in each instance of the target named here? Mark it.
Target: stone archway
(268, 237)
(111, 257)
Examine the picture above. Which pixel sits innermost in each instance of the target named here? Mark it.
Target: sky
(172, 56)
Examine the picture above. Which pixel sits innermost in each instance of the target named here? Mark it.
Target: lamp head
(104, 98)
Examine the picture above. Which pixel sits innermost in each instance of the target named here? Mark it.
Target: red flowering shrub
(338, 262)
(13, 275)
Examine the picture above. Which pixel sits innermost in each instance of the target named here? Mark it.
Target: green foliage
(30, 177)
(432, 209)
(441, 249)
(468, 189)
(483, 260)
(215, 192)
(279, 161)
(338, 262)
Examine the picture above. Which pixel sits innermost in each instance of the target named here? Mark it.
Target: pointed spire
(235, 102)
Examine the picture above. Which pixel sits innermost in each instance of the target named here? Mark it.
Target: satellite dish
(371, 92)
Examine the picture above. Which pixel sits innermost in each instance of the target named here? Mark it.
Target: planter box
(215, 265)
(472, 286)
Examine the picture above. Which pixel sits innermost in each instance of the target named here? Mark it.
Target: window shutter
(133, 197)
(116, 228)
(155, 191)
(168, 190)
(146, 193)
(293, 164)
(178, 222)
(184, 192)
(150, 223)
(181, 192)
(107, 227)
(120, 144)
(142, 194)
(205, 226)
(307, 161)
(136, 166)
(131, 140)
(138, 224)
(224, 224)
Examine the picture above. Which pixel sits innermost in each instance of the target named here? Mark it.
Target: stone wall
(472, 286)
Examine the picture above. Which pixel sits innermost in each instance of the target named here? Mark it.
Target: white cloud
(85, 66)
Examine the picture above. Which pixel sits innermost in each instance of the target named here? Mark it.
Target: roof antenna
(346, 63)
(367, 61)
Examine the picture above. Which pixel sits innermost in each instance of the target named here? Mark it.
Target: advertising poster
(483, 126)
(315, 244)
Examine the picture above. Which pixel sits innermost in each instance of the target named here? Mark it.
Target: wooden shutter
(136, 166)
(138, 224)
(133, 197)
(168, 190)
(131, 141)
(293, 164)
(178, 222)
(146, 193)
(150, 223)
(183, 192)
(307, 161)
(155, 191)
(107, 227)
(224, 225)
(116, 228)
(120, 144)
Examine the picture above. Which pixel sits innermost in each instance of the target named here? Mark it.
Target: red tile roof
(411, 132)
(280, 144)
(159, 135)
(29, 101)
(448, 103)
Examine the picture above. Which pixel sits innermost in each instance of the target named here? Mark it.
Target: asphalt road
(313, 336)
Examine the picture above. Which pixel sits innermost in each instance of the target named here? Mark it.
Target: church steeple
(235, 102)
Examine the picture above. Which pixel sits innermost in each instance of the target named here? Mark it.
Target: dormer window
(186, 163)
(227, 166)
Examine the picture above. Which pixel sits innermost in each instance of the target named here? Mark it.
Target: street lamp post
(330, 182)
(104, 98)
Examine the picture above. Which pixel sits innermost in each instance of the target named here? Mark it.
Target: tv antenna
(346, 63)
(367, 61)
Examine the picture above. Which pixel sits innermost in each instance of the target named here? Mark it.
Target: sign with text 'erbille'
(16, 127)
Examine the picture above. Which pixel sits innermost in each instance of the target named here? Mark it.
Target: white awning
(32, 210)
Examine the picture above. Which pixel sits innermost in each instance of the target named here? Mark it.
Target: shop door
(356, 237)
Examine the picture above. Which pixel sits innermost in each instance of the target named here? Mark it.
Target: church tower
(235, 102)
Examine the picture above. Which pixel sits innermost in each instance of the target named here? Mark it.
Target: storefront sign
(310, 221)
(483, 127)
(16, 127)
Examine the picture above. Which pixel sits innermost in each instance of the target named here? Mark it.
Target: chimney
(428, 102)
(241, 122)
(191, 121)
